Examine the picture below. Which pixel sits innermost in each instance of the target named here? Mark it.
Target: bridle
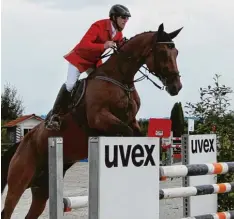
(160, 76)
(116, 50)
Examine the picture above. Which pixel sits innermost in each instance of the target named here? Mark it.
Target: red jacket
(87, 53)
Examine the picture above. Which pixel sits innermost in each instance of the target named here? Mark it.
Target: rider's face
(121, 21)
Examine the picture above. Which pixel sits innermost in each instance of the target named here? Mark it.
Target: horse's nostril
(174, 89)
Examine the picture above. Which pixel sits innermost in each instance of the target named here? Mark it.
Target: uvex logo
(122, 154)
(202, 145)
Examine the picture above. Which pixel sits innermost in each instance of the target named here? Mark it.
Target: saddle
(74, 101)
(77, 93)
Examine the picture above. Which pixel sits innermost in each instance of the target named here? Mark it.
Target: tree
(4, 137)
(144, 125)
(11, 104)
(177, 118)
(212, 111)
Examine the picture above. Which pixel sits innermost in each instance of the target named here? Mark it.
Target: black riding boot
(60, 107)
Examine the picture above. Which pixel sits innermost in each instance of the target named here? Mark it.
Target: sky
(36, 34)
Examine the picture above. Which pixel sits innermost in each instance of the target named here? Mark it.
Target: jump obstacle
(162, 128)
(102, 196)
(172, 145)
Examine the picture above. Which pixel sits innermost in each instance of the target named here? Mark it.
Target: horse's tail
(5, 161)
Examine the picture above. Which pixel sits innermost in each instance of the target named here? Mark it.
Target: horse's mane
(145, 32)
(165, 37)
(133, 37)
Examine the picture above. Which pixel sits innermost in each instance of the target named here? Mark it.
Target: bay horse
(105, 103)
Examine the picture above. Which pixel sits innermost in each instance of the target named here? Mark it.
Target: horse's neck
(124, 66)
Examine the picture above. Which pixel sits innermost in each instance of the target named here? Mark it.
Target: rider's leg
(73, 75)
(63, 98)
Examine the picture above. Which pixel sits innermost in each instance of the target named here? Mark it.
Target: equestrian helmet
(119, 10)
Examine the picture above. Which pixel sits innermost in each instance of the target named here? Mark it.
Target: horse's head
(161, 60)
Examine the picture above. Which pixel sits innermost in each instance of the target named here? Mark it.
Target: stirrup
(53, 123)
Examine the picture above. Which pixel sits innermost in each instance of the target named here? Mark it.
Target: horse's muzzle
(174, 89)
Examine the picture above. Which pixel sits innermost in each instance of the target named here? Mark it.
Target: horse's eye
(171, 45)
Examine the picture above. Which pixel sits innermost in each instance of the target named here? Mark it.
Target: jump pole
(55, 164)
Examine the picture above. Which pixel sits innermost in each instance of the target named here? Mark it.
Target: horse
(105, 103)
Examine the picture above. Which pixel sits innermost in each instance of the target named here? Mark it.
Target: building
(19, 127)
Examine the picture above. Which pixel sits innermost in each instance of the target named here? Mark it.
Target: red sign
(213, 128)
(159, 128)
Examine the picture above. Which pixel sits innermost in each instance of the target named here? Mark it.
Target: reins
(116, 51)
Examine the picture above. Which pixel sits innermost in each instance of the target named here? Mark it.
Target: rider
(102, 34)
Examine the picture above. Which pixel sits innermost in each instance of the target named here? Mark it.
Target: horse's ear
(161, 28)
(175, 33)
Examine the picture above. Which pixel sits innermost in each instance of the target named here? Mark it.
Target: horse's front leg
(105, 122)
(136, 128)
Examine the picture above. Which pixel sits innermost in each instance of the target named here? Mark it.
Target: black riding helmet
(117, 11)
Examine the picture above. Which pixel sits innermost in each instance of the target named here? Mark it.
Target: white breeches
(73, 75)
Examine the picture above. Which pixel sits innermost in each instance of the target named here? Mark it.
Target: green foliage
(144, 125)
(4, 137)
(212, 111)
(5, 141)
(177, 118)
(11, 105)
(11, 108)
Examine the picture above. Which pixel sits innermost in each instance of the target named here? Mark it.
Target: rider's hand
(109, 44)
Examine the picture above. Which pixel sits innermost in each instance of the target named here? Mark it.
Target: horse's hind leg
(20, 173)
(39, 199)
(40, 193)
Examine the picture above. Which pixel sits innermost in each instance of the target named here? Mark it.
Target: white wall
(28, 124)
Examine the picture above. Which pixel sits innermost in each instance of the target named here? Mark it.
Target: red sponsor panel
(159, 128)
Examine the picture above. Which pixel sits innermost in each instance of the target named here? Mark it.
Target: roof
(21, 119)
